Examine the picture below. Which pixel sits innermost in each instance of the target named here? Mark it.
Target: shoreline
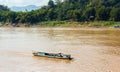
(68, 28)
(61, 24)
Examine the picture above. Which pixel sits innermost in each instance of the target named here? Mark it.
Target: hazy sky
(11, 3)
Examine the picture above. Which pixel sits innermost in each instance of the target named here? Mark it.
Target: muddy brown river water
(93, 50)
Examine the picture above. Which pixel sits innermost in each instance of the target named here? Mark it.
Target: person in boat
(60, 54)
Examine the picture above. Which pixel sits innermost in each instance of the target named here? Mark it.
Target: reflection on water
(93, 50)
(53, 59)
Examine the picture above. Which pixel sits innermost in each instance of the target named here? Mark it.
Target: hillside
(67, 10)
(24, 8)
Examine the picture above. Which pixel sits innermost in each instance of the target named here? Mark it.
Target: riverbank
(96, 24)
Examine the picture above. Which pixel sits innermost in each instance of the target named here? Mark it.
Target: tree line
(66, 10)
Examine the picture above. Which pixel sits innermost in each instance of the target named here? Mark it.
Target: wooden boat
(52, 55)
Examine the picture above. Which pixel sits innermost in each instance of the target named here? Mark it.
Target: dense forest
(66, 10)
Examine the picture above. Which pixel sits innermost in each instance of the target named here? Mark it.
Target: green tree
(89, 14)
(103, 13)
(51, 3)
(115, 14)
(4, 8)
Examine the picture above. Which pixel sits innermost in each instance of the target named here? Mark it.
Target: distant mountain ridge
(24, 8)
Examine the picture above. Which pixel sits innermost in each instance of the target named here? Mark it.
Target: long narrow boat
(52, 55)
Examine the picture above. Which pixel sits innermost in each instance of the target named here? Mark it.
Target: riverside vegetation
(66, 13)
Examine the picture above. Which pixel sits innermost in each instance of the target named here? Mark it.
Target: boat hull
(52, 55)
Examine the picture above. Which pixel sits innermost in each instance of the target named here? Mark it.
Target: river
(93, 50)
